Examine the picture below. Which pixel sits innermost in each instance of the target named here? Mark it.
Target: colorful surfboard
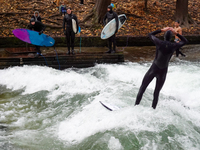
(110, 28)
(33, 37)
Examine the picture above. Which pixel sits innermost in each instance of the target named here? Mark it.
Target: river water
(44, 108)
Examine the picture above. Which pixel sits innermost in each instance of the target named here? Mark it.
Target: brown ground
(16, 14)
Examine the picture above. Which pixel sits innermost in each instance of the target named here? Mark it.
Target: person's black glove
(40, 32)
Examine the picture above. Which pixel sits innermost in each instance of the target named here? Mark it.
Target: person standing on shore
(159, 67)
(39, 27)
(178, 29)
(109, 16)
(68, 29)
(36, 16)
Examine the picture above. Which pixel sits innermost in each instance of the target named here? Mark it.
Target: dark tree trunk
(100, 9)
(145, 5)
(182, 13)
(97, 13)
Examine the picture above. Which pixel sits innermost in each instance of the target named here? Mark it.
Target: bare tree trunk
(97, 13)
(182, 13)
(145, 5)
(100, 9)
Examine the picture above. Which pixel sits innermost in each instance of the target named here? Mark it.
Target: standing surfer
(159, 67)
(109, 16)
(39, 27)
(178, 29)
(68, 29)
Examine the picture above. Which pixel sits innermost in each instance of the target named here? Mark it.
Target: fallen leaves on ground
(16, 14)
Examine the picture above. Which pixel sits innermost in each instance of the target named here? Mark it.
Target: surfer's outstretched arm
(152, 36)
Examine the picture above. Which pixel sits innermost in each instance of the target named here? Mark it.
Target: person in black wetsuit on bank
(109, 16)
(39, 27)
(68, 29)
(159, 67)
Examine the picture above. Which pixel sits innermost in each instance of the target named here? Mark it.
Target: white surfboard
(109, 106)
(110, 28)
(74, 26)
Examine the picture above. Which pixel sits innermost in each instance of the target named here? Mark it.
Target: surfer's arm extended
(152, 36)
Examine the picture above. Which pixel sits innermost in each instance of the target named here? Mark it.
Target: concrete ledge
(92, 41)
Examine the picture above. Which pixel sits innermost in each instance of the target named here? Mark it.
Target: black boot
(72, 52)
(68, 53)
(109, 51)
(113, 51)
(37, 55)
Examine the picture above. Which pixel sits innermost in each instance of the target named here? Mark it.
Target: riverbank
(131, 54)
(93, 41)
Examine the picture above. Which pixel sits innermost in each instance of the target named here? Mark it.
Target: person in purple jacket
(159, 67)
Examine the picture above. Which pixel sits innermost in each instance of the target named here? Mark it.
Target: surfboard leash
(43, 57)
(126, 40)
(80, 43)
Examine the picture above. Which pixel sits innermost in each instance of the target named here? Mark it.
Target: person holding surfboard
(159, 67)
(109, 16)
(68, 27)
(39, 27)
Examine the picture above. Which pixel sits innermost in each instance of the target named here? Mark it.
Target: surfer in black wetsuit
(109, 16)
(68, 29)
(39, 27)
(164, 52)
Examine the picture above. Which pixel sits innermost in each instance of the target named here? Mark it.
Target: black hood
(32, 20)
(110, 7)
(168, 35)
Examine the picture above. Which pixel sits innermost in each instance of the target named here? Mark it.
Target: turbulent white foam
(178, 106)
(114, 144)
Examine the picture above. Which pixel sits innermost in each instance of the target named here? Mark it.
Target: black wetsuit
(164, 52)
(39, 27)
(109, 16)
(178, 50)
(37, 18)
(68, 30)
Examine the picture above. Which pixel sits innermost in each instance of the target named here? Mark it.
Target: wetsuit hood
(110, 7)
(32, 20)
(36, 12)
(168, 35)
